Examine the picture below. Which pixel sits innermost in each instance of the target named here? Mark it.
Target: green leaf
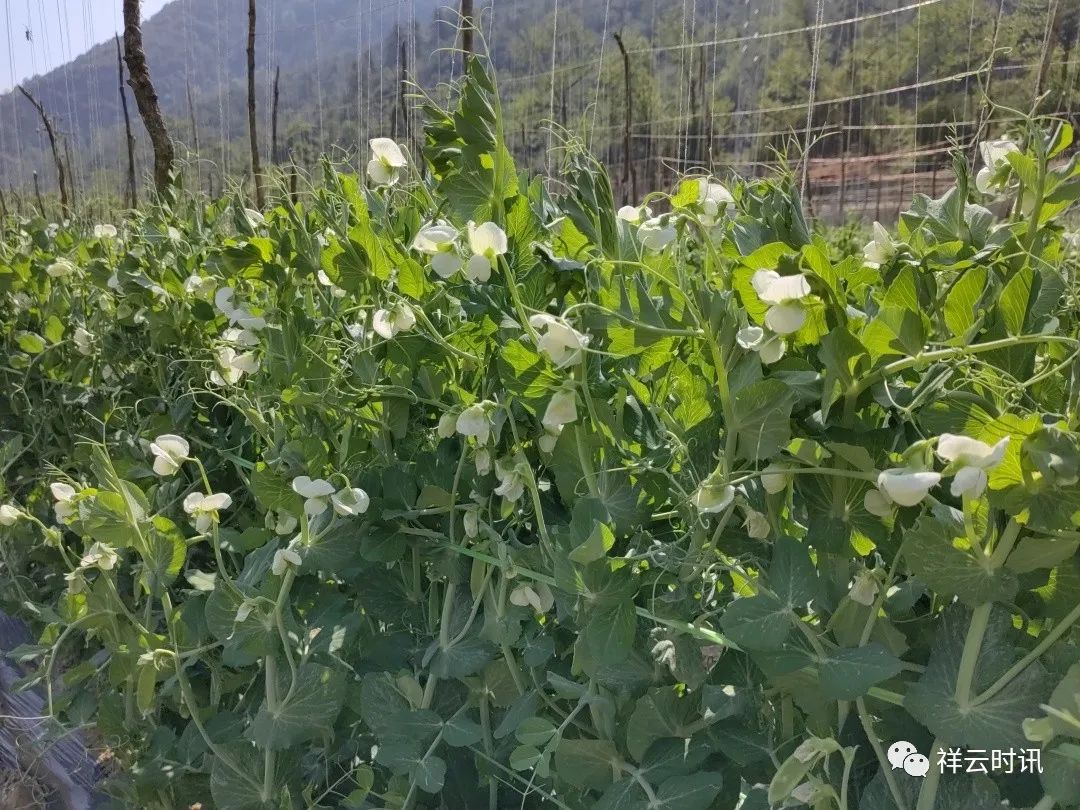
(598, 544)
(305, 714)
(586, 763)
(659, 713)
(849, 673)
(460, 731)
(759, 622)
(994, 723)
(961, 304)
(609, 632)
(535, 731)
(29, 342)
(1033, 553)
(694, 792)
(524, 757)
(54, 330)
(466, 657)
(429, 774)
(934, 552)
(792, 575)
(762, 414)
(236, 784)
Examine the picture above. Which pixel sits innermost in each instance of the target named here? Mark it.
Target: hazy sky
(60, 30)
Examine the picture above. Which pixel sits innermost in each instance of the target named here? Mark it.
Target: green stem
(271, 705)
(952, 353)
(1047, 802)
(883, 761)
(928, 793)
(1027, 660)
(969, 657)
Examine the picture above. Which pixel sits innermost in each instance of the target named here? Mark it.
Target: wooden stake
(60, 175)
(256, 170)
(132, 186)
(467, 27)
(37, 194)
(194, 135)
(273, 119)
(629, 177)
(146, 97)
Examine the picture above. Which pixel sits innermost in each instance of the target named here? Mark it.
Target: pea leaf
(849, 673)
(304, 714)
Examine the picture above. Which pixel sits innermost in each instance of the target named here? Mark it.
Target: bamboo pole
(132, 186)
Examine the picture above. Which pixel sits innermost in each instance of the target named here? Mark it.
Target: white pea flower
(536, 595)
(447, 425)
(233, 365)
(712, 497)
(471, 522)
(549, 439)
(389, 322)
(439, 241)
(283, 559)
(173, 234)
(713, 198)
(634, 214)
(281, 523)
(105, 231)
(482, 460)
(241, 337)
(255, 218)
(864, 588)
(775, 478)
(562, 409)
(973, 459)
(64, 495)
(387, 161)
(204, 508)
(995, 156)
(905, 486)
(880, 249)
(877, 503)
(784, 295)
(805, 793)
(350, 501)
(76, 581)
(315, 491)
(51, 230)
(170, 451)
(324, 280)
(100, 555)
(474, 421)
(770, 348)
(61, 268)
(511, 481)
(656, 233)
(757, 524)
(559, 340)
(240, 316)
(9, 514)
(84, 341)
(487, 241)
(199, 287)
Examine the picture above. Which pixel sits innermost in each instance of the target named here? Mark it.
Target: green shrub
(454, 491)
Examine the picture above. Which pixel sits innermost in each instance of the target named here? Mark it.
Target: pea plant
(449, 487)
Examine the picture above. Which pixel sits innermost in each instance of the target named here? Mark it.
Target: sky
(59, 30)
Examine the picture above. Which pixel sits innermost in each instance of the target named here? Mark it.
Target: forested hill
(723, 80)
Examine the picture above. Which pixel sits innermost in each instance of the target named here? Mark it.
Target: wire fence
(865, 103)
